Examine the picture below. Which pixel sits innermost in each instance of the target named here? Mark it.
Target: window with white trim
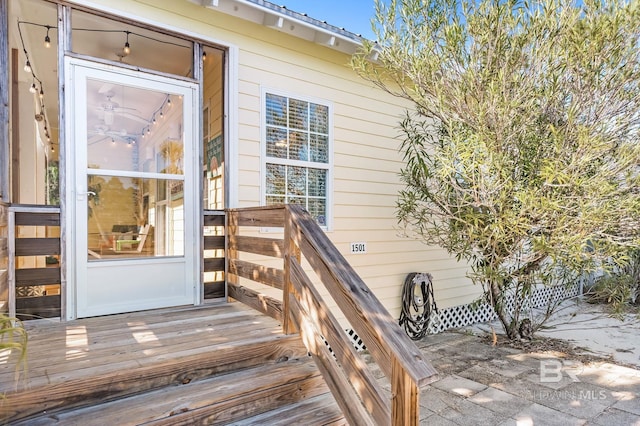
(297, 153)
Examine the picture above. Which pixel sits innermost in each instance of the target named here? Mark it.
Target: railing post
(11, 263)
(231, 252)
(290, 249)
(405, 396)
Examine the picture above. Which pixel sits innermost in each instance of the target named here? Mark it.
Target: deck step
(319, 410)
(223, 399)
(162, 372)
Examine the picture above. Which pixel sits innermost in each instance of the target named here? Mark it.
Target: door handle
(80, 194)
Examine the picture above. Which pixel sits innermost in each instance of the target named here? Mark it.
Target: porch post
(11, 263)
(290, 250)
(4, 101)
(67, 304)
(231, 252)
(405, 409)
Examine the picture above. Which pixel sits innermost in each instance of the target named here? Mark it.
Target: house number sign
(358, 248)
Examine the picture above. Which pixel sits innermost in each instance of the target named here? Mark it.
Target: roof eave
(287, 21)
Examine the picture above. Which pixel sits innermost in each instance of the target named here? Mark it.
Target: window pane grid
(297, 144)
(297, 185)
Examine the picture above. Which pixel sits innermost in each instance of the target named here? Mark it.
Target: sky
(352, 15)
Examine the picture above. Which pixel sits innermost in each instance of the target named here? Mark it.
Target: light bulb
(41, 94)
(204, 55)
(33, 88)
(154, 119)
(27, 66)
(47, 39)
(161, 114)
(127, 47)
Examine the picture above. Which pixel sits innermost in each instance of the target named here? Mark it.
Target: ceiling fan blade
(132, 117)
(124, 108)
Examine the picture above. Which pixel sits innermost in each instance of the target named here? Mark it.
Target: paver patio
(499, 385)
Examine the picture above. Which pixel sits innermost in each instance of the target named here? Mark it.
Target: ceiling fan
(109, 109)
(103, 132)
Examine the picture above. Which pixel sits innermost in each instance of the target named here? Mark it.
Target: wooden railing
(34, 283)
(302, 308)
(213, 254)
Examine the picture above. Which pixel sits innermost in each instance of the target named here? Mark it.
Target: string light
(204, 55)
(126, 50)
(34, 89)
(127, 47)
(47, 39)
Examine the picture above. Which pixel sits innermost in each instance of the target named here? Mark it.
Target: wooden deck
(222, 364)
(215, 364)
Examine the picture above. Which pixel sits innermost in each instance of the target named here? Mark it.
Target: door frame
(192, 218)
(230, 108)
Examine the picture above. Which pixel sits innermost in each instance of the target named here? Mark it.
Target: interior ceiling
(93, 36)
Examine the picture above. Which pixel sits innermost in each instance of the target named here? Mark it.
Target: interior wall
(31, 157)
(34, 97)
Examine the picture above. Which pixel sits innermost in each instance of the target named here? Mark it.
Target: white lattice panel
(464, 315)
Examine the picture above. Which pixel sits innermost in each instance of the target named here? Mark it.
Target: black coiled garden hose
(417, 304)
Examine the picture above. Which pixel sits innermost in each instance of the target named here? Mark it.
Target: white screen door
(133, 225)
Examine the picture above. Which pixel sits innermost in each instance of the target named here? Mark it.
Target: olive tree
(521, 149)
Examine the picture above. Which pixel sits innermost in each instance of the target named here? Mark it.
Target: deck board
(116, 354)
(59, 351)
(135, 335)
(319, 410)
(172, 405)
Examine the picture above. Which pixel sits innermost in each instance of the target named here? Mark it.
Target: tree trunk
(510, 327)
